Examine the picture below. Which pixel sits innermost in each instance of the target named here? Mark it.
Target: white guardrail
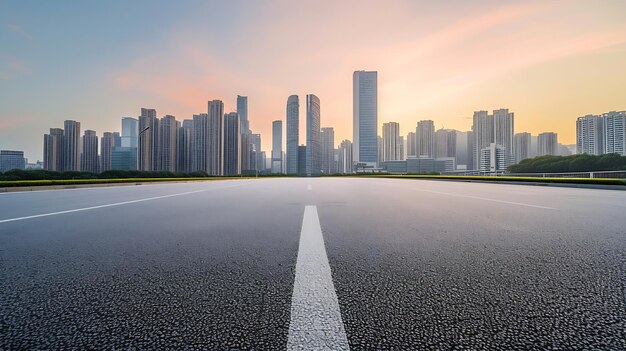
(595, 174)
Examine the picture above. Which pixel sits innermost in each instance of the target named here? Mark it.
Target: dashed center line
(309, 187)
(315, 316)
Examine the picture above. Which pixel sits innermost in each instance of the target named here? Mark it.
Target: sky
(96, 61)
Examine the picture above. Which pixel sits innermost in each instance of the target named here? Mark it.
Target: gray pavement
(415, 264)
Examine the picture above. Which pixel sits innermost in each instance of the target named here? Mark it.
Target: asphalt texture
(416, 265)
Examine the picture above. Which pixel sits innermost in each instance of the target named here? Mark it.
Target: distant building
(425, 139)
(522, 146)
(503, 124)
(257, 156)
(499, 129)
(71, 145)
(184, 147)
(232, 150)
(277, 147)
(365, 118)
(293, 133)
(35, 165)
(200, 143)
(53, 150)
(302, 160)
(129, 140)
(245, 161)
(493, 158)
(313, 136)
(411, 148)
(590, 135)
(344, 160)
(615, 132)
(10, 159)
(402, 148)
(107, 145)
(148, 141)
(89, 157)
(327, 136)
(215, 151)
(391, 142)
(445, 143)
(168, 133)
(547, 144)
(463, 150)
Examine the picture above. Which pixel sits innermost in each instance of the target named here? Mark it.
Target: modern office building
(277, 147)
(445, 143)
(148, 141)
(344, 161)
(327, 136)
(365, 119)
(494, 158)
(257, 156)
(10, 159)
(462, 150)
(504, 129)
(184, 147)
(302, 160)
(215, 151)
(547, 144)
(313, 137)
(391, 142)
(614, 130)
(483, 131)
(71, 145)
(107, 145)
(293, 133)
(245, 162)
(522, 146)
(411, 148)
(129, 140)
(89, 156)
(168, 133)
(53, 150)
(232, 147)
(425, 139)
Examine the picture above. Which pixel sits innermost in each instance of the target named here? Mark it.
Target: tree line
(573, 163)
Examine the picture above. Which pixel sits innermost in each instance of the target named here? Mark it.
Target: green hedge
(27, 183)
(601, 181)
(573, 163)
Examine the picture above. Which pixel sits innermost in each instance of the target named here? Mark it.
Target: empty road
(322, 263)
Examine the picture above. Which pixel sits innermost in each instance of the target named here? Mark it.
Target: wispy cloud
(17, 29)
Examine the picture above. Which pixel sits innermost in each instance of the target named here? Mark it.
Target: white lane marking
(315, 316)
(103, 206)
(488, 199)
(309, 187)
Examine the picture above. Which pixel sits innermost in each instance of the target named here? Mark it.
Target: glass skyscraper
(365, 118)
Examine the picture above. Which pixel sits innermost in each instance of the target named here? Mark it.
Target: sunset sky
(547, 61)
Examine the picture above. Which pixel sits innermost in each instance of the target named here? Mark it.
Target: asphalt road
(370, 264)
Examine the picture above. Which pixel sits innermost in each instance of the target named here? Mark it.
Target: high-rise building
(302, 160)
(379, 149)
(245, 162)
(483, 133)
(53, 150)
(313, 137)
(277, 147)
(10, 159)
(184, 147)
(89, 156)
(547, 143)
(463, 150)
(411, 148)
(590, 135)
(327, 137)
(493, 158)
(167, 143)
(402, 148)
(425, 139)
(257, 156)
(293, 133)
(504, 129)
(615, 132)
(445, 143)
(107, 145)
(71, 145)
(391, 141)
(365, 118)
(129, 141)
(522, 146)
(232, 144)
(215, 150)
(200, 143)
(148, 141)
(344, 163)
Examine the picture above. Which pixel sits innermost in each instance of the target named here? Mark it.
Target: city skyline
(445, 63)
